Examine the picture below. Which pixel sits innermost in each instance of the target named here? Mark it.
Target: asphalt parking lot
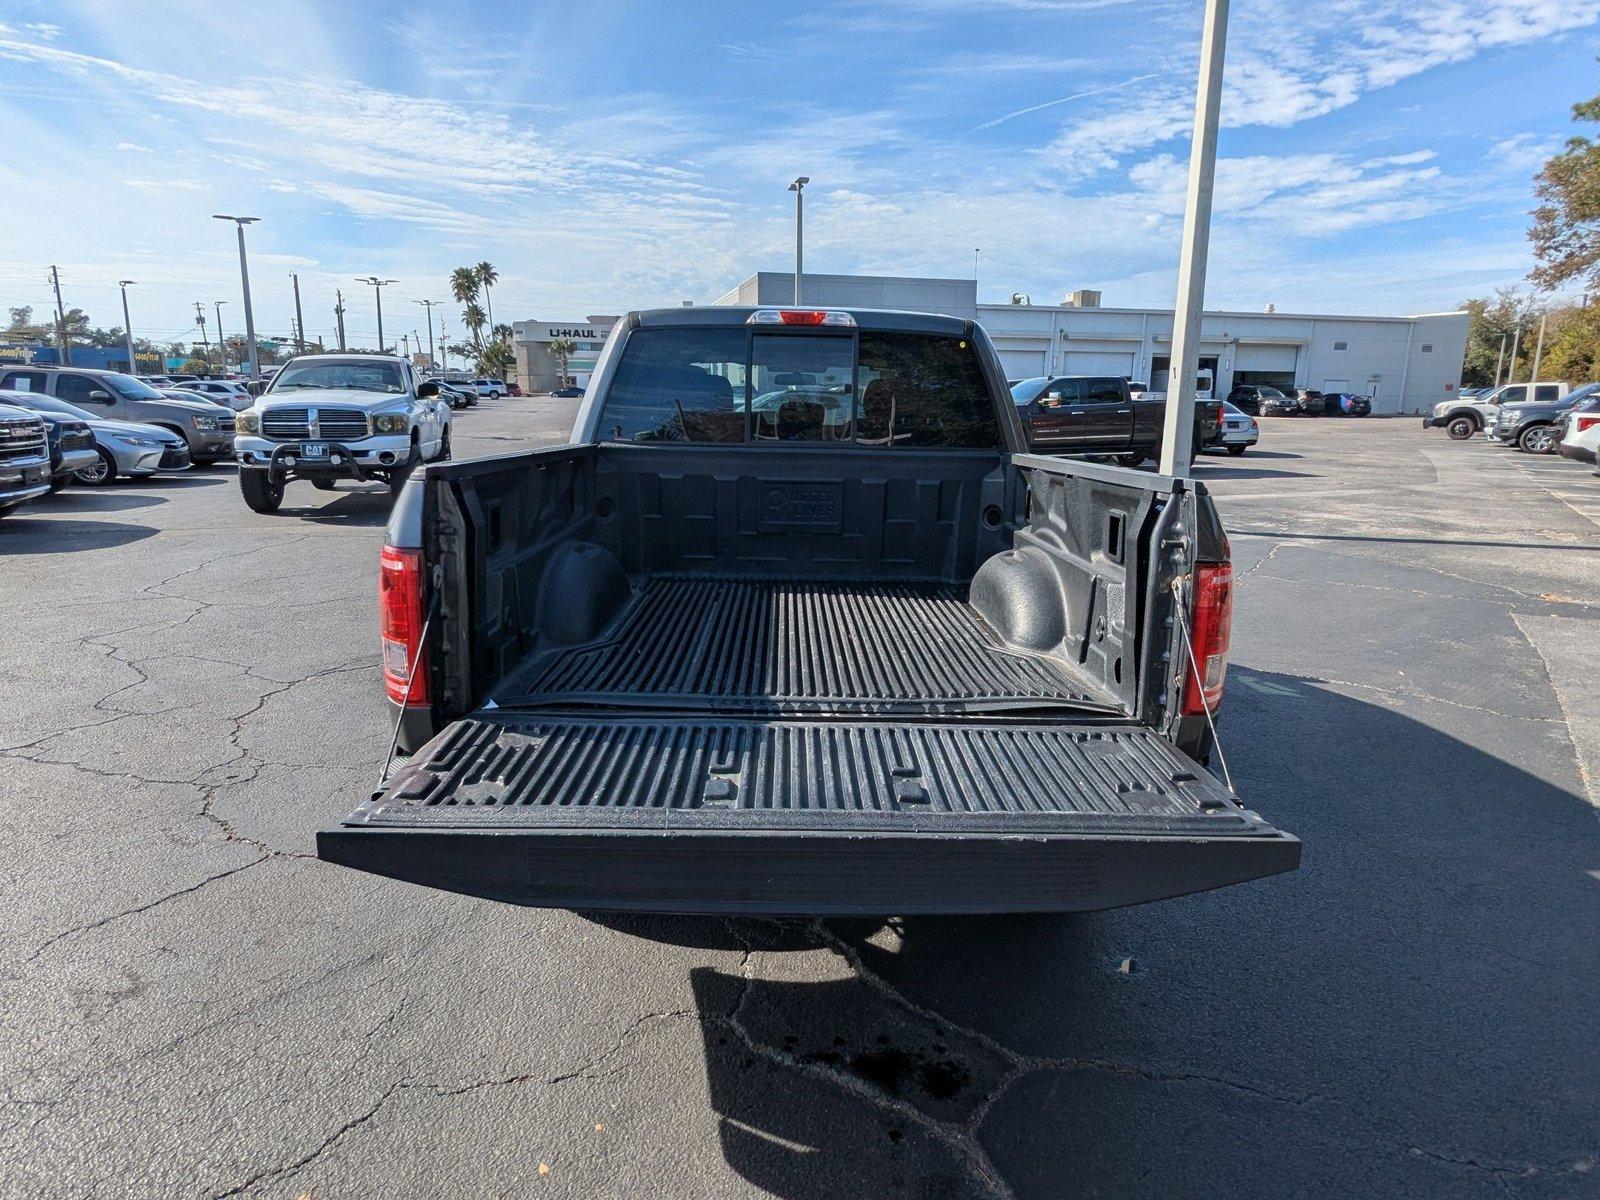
(195, 1006)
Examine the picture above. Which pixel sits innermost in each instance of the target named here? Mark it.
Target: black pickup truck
(1098, 414)
(797, 625)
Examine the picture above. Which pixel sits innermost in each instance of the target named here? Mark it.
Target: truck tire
(1129, 460)
(323, 485)
(1236, 450)
(1461, 428)
(260, 493)
(1538, 439)
(399, 475)
(444, 446)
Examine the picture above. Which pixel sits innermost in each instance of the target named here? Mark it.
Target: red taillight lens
(1585, 422)
(1210, 628)
(400, 625)
(801, 316)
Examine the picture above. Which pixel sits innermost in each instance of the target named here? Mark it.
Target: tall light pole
(1538, 352)
(1177, 441)
(127, 324)
(1501, 361)
(428, 305)
(377, 286)
(244, 278)
(222, 342)
(798, 187)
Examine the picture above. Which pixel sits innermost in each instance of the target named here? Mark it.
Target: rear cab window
(754, 385)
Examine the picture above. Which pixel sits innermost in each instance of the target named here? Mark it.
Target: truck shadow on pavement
(20, 535)
(1404, 1015)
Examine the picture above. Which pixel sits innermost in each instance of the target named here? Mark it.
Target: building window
(1341, 345)
(1427, 347)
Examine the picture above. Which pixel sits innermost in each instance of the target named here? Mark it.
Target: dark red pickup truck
(796, 624)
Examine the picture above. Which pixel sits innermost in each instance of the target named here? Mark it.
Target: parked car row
(1543, 417)
(1266, 400)
(1469, 412)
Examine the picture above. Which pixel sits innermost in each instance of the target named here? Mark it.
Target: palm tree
(474, 317)
(488, 276)
(504, 333)
(563, 349)
(464, 284)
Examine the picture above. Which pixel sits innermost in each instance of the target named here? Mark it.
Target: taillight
(800, 316)
(1210, 627)
(400, 614)
(1587, 422)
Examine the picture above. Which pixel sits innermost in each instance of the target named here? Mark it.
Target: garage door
(1022, 364)
(1266, 358)
(1098, 362)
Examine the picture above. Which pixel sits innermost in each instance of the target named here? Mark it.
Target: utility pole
(1501, 361)
(200, 319)
(244, 277)
(222, 340)
(428, 306)
(299, 320)
(1516, 339)
(1538, 351)
(377, 286)
(1177, 441)
(338, 314)
(62, 344)
(405, 345)
(127, 325)
(797, 187)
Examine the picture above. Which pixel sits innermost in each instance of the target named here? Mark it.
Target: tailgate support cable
(411, 681)
(1194, 665)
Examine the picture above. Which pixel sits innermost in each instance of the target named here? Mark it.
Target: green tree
(563, 349)
(496, 359)
(488, 277)
(1566, 224)
(504, 333)
(475, 319)
(1572, 346)
(1488, 322)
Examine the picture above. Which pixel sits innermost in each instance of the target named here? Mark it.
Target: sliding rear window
(708, 385)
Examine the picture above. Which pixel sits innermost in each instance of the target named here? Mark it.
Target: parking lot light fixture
(127, 324)
(244, 278)
(798, 187)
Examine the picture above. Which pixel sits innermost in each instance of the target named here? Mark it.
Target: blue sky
(1377, 155)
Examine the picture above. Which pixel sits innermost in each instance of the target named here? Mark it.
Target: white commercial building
(540, 371)
(1405, 364)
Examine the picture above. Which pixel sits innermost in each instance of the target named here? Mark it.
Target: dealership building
(1405, 364)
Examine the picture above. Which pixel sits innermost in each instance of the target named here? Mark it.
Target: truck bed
(783, 646)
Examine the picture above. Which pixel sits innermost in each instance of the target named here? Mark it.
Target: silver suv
(206, 427)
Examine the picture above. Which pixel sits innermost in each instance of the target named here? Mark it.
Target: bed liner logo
(801, 506)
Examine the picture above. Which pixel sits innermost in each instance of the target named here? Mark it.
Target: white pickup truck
(1462, 416)
(328, 417)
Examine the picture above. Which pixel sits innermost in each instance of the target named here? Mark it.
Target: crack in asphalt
(101, 922)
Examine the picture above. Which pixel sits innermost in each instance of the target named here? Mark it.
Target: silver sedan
(125, 448)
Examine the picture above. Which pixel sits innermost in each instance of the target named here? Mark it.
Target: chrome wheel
(103, 471)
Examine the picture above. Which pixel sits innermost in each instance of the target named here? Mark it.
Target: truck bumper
(1434, 422)
(370, 459)
(73, 461)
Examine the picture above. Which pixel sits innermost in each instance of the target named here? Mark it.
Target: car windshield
(46, 404)
(1272, 393)
(1026, 391)
(354, 376)
(1584, 395)
(130, 388)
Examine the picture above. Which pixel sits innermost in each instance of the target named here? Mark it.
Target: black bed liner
(765, 646)
(745, 815)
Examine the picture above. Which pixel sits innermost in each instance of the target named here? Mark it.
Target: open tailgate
(702, 814)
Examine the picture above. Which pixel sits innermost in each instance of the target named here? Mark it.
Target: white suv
(339, 416)
(1465, 416)
(493, 389)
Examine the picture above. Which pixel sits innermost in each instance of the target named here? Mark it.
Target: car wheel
(1237, 450)
(1461, 428)
(57, 482)
(100, 475)
(323, 485)
(1129, 460)
(444, 446)
(261, 494)
(1541, 439)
